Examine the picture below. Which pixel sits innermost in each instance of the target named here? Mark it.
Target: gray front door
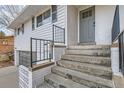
(87, 25)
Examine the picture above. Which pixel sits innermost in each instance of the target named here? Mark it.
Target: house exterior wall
(22, 41)
(45, 31)
(104, 15)
(104, 19)
(42, 32)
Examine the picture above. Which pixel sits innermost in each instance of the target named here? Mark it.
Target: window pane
(33, 26)
(39, 20)
(54, 13)
(54, 8)
(46, 14)
(22, 28)
(18, 30)
(54, 17)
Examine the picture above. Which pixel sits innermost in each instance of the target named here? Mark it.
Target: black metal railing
(116, 24)
(24, 58)
(58, 34)
(43, 50)
(117, 35)
(121, 51)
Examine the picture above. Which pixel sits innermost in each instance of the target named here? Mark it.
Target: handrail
(41, 50)
(116, 25)
(118, 35)
(58, 26)
(58, 34)
(41, 39)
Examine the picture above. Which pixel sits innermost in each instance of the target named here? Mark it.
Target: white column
(16, 58)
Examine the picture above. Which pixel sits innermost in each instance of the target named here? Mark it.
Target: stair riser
(79, 80)
(45, 85)
(90, 47)
(83, 68)
(99, 61)
(89, 52)
(54, 84)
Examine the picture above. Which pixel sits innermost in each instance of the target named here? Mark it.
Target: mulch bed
(6, 64)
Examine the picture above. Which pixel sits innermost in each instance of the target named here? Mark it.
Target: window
(15, 32)
(39, 20)
(18, 31)
(54, 13)
(33, 24)
(4, 42)
(87, 14)
(46, 14)
(22, 29)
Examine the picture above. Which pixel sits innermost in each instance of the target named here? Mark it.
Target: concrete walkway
(9, 77)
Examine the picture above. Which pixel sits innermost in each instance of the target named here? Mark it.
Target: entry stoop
(82, 66)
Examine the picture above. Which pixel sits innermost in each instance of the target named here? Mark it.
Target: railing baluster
(40, 49)
(53, 33)
(123, 53)
(31, 52)
(36, 49)
(47, 49)
(44, 50)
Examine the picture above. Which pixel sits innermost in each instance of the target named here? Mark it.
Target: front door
(87, 25)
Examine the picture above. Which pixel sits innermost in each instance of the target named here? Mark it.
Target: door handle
(94, 24)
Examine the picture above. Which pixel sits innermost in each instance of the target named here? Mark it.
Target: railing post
(53, 33)
(31, 51)
(64, 35)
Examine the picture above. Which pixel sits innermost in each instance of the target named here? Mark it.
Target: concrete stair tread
(105, 53)
(84, 56)
(45, 85)
(60, 81)
(92, 69)
(64, 71)
(89, 47)
(99, 67)
(106, 61)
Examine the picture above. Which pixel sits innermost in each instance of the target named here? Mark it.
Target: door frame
(79, 10)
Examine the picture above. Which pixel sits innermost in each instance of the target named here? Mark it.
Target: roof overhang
(27, 13)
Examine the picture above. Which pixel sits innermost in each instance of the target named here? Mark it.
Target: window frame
(54, 13)
(33, 23)
(18, 30)
(22, 28)
(41, 20)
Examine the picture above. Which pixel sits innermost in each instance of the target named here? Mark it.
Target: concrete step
(82, 78)
(91, 47)
(60, 82)
(45, 85)
(105, 53)
(106, 61)
(100, 71)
